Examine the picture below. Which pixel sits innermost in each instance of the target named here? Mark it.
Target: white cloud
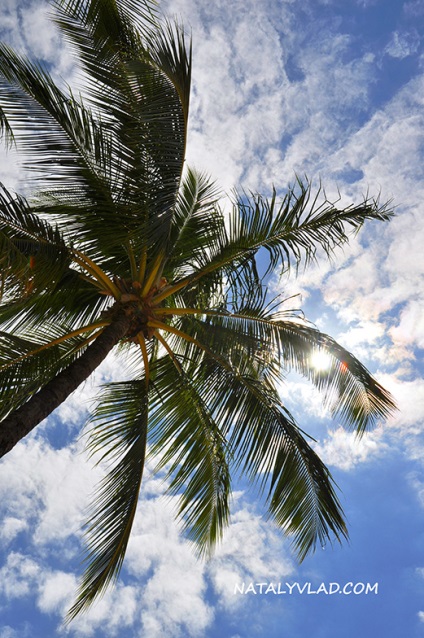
(351, 289)
(409, 395)
(364, 332)
(56, 592)
(11, 528)
(403, 44)
(48, 500)
(40, 33)
(344, 450)
(251, 550)
(19, 576)
(410, 329)
(163, 587)
(173, 597)
(112, 614)
(9, 21)
(298, 393)
(405, 428)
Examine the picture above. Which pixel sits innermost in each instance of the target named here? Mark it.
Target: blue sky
(329, 88)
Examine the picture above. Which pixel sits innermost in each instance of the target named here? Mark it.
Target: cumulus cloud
(43, 490)
(56, 591)
(40, 34)
(238, 70)
(252, 549)
(285, 106)
(410, 328)
(11, 528)
(18, 576)
(173, 598)
(163, 587)
(344, 450)
(114, 613)
(299, 393)
(410, 397)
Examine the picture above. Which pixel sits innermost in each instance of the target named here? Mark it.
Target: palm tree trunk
(20, 422)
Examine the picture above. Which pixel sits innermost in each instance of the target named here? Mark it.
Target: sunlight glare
(321, 360)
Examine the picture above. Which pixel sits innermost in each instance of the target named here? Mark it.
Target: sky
(331, 89)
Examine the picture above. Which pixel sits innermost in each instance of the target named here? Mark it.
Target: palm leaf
(301, 495)
(266, 442)
(266, 340)
(140, 80)
(290, 231)
(196, 224)
(119, 432)
(28, 364)
(263, 441)
(70, 301)
(189, 441)
(32, 251)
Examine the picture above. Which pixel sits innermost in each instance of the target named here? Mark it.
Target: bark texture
(20, 422)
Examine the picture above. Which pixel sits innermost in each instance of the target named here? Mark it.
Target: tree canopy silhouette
(123, 247)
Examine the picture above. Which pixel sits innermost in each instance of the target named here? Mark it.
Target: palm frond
(70, 301)
(268, 341)
(119, 432)
(294, 229)
(104, 33)
(196, 224)
(301, 497)
(139, 79)
(266, 442)
(189, 440)
(27, 365)
(290, 231)
(52, 126)
(261, 439)
(32, 252)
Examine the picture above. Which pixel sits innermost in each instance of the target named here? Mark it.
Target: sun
(321, 360)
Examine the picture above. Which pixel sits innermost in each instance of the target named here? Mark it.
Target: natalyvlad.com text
(347, 589)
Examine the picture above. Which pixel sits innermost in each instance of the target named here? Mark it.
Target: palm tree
(123, 247)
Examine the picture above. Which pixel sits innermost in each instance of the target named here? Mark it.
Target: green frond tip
(196, 454)
(302, 499)
(291, 229)
(6, 130)
(119, 433)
